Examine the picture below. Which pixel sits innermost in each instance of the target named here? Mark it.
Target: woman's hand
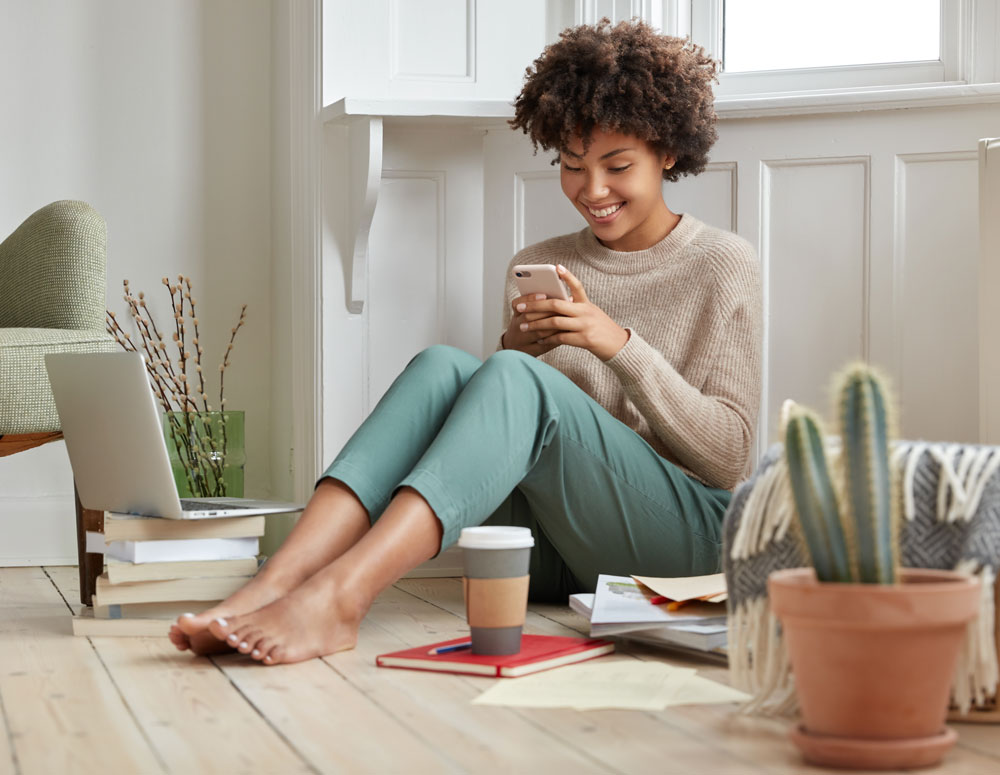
(539, 325)
(526, 341)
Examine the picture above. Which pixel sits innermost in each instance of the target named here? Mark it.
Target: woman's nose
(595, 187)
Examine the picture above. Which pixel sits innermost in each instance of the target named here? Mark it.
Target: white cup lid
(496, 537)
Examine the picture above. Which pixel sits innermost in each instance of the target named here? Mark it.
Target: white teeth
(606, 211)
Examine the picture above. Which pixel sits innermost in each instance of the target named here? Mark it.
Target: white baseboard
(37, 531)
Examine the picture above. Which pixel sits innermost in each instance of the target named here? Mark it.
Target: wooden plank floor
(136, 705)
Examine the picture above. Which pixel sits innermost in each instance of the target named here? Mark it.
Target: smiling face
(616, 186)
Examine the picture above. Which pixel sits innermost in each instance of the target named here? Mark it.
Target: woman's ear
(668, 162)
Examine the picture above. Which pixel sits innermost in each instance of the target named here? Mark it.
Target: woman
(614, 425)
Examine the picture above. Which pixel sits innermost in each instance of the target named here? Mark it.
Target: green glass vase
(206, 453)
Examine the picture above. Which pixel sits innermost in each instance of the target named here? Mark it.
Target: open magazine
(621, 606)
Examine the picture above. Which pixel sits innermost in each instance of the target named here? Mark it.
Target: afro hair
(623, 78)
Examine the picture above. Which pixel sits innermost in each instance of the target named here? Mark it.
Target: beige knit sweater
(688, 379)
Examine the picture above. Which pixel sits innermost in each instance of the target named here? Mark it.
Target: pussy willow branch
(195, 444)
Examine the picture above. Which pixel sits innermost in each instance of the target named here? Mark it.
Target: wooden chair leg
(91, 565)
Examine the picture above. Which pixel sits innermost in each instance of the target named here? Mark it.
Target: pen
(453, 647)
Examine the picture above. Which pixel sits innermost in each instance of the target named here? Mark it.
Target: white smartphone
(540, 278)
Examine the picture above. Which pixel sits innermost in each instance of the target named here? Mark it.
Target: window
(794, 46)
(790, 34)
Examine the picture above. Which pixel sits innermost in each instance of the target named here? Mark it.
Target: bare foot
(315, 619)
(192, 632)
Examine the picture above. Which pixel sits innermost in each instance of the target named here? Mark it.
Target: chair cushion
(26, 403)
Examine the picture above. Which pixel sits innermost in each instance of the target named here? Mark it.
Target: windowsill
(477, 112)
(853, 100)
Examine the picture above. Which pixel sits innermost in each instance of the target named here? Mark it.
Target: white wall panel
(432, 40)
(542, 210)
(815, 257)
(937, 267)
(710, 196)
(432, 49)
(406, 275)
(425, 269)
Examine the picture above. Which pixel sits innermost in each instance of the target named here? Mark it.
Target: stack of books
(157, 569)
(683, 613)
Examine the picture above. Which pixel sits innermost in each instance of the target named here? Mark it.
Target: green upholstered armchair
(52, 299)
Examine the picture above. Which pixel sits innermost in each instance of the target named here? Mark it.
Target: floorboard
(109, 705)
(7, 764)
(436, 706)
(325, 711)
(63, 711)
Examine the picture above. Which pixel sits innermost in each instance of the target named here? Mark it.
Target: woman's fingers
(575, 286)
(531, 317)
(552, 324)
(522, 301)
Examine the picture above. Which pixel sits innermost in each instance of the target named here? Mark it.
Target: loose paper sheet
(687, 587)
(701, 691)
(621, 683)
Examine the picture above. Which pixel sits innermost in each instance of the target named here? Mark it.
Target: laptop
(112, 425)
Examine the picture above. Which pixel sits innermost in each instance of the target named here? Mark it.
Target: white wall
(159, 115)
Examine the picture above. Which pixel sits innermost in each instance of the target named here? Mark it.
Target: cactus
(862, 545)
(815, 498)
(865, 431)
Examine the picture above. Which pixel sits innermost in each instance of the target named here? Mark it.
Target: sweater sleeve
(710, 430)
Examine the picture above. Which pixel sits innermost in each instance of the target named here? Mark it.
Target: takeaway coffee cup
(496, 585)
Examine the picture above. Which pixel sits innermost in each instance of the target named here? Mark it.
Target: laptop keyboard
(192, 505)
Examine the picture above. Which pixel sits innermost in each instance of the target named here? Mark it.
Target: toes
(274, 657)
(221, 628)
(262, 649)
(192, 624)
(206, 643)
(178, 638)
(248, 640)
(238, 635)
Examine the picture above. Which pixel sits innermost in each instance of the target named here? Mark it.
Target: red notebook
(538, 652)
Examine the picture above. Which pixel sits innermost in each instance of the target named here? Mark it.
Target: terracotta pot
(873, 664)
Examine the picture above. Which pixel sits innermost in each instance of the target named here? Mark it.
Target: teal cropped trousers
(513, 441)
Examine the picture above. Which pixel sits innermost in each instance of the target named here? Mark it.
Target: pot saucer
(866, 754)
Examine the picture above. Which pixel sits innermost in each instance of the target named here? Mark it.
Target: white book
(621, 605)
(695, 635)
(212, 588)
(181, 550)
(167, 610)
(129, 527)
(121, 572)
(86, 625)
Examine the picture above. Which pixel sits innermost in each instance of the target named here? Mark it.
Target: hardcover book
(210, 588)
(538, 652)
(126, 527)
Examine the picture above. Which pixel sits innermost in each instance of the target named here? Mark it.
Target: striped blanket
(951, 519)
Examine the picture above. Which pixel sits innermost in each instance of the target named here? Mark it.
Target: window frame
(969, 31)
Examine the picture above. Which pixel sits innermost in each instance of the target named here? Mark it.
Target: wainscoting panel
(432, 40)
(542, 210)
(815, 258)
(406, 274)
(709, 196)
(937, 269)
